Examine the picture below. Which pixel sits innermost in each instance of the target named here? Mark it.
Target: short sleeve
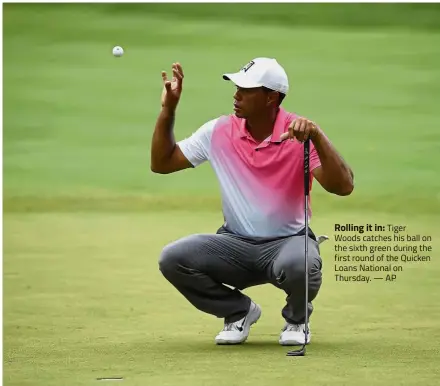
(196, 148)
(314, 157)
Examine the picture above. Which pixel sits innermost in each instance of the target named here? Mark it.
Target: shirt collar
(279, 126)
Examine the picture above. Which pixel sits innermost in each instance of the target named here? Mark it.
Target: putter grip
(306, 167)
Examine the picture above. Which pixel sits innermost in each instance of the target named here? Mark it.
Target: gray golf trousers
(199, 265)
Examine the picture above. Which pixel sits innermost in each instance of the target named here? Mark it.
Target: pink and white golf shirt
(262, 185)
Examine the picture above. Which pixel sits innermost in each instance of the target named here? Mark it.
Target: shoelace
(228, 326)
(294, 327)
(231, 326)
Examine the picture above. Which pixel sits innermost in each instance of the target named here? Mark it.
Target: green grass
(79, 120)
(84, 299)
(85, 219)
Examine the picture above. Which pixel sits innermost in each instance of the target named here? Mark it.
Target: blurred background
(85, 219)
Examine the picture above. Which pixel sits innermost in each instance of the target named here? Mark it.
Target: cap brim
(241, 80)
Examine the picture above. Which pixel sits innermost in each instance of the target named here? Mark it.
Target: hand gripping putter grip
(302, 351)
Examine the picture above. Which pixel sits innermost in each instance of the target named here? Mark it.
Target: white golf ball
(118, 51)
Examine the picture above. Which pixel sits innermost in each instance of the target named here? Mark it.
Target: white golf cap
(261, 72)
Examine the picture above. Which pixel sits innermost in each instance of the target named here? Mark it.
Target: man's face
(251, 102)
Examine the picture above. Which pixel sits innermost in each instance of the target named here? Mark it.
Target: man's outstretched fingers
(179, 67)
(179, 74)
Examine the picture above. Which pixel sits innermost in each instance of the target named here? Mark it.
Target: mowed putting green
(84, 299)
(85, 219)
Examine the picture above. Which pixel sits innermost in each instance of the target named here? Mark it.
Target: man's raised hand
(172, 89)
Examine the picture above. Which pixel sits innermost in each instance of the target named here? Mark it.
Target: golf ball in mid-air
(118, 51)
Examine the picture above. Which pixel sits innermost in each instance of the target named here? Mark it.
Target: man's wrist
(316, 135)
(168, 111)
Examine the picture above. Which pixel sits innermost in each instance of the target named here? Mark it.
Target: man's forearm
(163, 142)
(338, 176)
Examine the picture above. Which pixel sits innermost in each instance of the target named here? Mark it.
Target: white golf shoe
(237, 332)
(294, 334)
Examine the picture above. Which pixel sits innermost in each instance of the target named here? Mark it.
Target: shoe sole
(228, 342)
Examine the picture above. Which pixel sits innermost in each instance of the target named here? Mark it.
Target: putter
(302, 350)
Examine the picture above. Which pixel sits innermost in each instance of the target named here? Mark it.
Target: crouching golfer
(257, 156)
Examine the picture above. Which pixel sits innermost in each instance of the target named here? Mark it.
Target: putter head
(298, 353)
(322, 238)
